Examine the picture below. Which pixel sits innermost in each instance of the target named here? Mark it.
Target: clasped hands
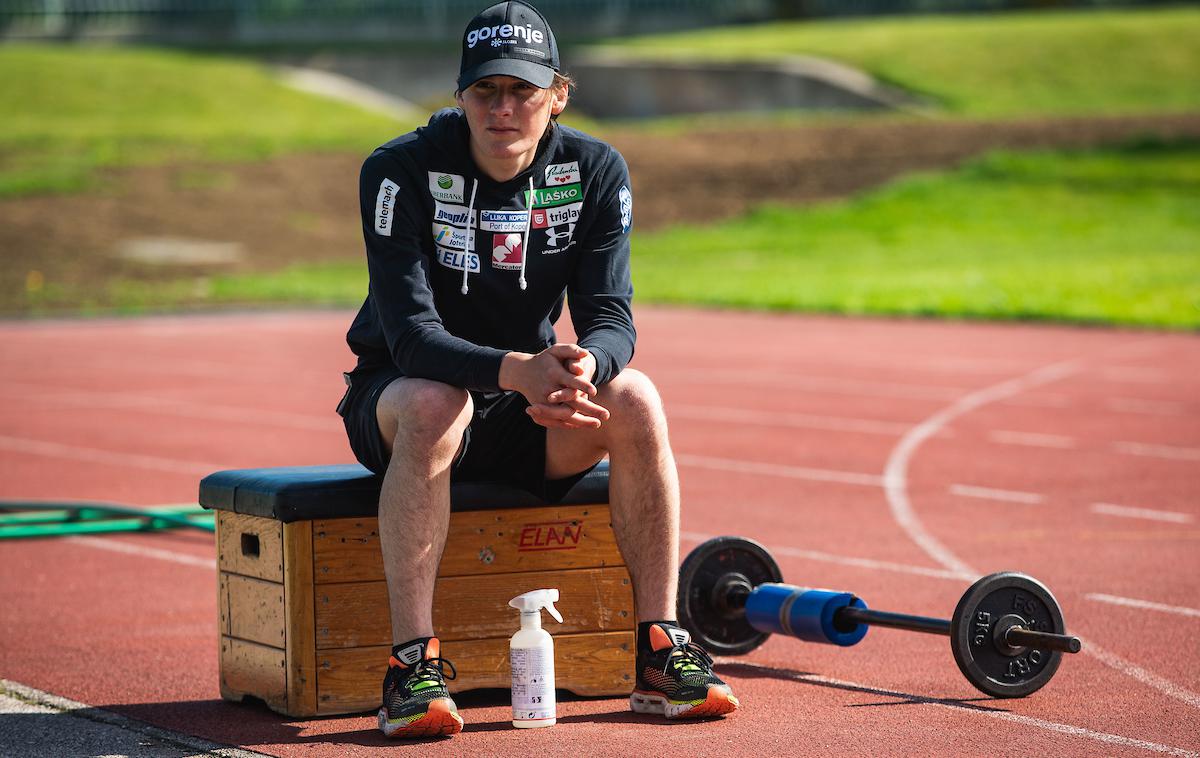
(557, 382)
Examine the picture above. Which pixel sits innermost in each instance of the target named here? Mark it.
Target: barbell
(1006, 634)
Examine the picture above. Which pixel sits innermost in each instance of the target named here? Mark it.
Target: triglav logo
(506, 34)
(563, 214)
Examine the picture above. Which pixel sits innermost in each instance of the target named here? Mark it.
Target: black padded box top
(303, 493)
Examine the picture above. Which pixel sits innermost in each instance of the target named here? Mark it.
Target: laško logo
(505, 32)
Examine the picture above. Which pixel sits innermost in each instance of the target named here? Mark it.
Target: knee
(633, 401)
(424, 412)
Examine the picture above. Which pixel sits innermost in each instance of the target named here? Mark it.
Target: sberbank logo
(445, 182)
(551, 196)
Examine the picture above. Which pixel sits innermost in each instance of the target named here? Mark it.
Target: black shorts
(502, 444)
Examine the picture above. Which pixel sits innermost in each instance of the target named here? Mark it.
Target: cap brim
(537, 74)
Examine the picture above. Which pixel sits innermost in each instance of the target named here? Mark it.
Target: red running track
(896, 459)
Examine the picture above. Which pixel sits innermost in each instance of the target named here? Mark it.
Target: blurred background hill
(966, 158)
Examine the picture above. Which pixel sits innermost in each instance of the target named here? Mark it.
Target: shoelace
(692, 657)
(430, 670)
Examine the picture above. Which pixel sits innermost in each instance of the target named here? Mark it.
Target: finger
(562, 396)
(567, 351)
(585, 406)
(563, 416)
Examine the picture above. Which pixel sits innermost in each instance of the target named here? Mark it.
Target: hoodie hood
(449, 134)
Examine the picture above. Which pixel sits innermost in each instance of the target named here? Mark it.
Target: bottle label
(532, 683)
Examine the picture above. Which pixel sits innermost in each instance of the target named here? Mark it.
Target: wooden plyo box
(303, 611)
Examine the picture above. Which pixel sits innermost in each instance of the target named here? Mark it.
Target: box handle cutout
(250, 545)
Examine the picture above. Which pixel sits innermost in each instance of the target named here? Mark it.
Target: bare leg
(643, 485)
(422, 422)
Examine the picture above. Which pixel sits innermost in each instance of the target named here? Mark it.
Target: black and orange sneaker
(415, 700)
(675, 676)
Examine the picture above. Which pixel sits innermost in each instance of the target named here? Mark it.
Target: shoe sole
(719, 702)
(440, 720)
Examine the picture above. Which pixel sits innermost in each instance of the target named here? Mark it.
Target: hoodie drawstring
(470, 235)
(525, 237)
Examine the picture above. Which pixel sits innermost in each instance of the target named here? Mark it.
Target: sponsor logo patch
(626, 198)
(505, 34)
(458, 260)
(558, 239)
(563, 214)
(558, 174)
(385, 207)
(503, 221)
(506, 251)
(446, 187)
(552, 196)
(455, 215)
(450, 237)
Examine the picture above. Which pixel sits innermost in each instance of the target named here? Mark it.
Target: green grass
(1107, 236)
(994, 65)
(69, 110)
(1097, 237)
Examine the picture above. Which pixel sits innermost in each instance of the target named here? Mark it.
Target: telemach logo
(550, 535)
(505, 32)
(385, 205)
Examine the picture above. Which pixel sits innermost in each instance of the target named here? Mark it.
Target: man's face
(508, 116)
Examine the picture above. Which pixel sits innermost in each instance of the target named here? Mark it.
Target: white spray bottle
(531, 653)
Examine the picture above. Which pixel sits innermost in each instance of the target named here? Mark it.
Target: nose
(502, 104)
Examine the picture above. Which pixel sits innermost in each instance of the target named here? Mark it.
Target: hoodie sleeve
(600, 293)
(391, 206)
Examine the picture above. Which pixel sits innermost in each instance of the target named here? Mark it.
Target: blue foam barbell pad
(803, 613)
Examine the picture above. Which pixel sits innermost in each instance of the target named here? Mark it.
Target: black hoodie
(422, 198)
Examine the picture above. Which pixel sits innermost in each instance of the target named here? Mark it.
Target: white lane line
(1031, 439)
(116, 546)
(792, 420)
(187, 409)
(1169, 452)
(107, 457)
(1150, 407)
(1125, 511)
(1039, 400)
(798, 381)
(1148, 678)
(194, 746)
(967, 707)
(842, 560)
(987, 493)
(1143, 604)
(1134, 374)
(773, 469)
(895, 473)
(896, 488)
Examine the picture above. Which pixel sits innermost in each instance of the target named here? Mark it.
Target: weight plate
(994, 667)
(708, 576)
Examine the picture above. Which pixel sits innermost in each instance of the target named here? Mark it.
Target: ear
(458, 98)
(558, 100)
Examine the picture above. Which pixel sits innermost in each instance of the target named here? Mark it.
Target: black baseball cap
(512, 39)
